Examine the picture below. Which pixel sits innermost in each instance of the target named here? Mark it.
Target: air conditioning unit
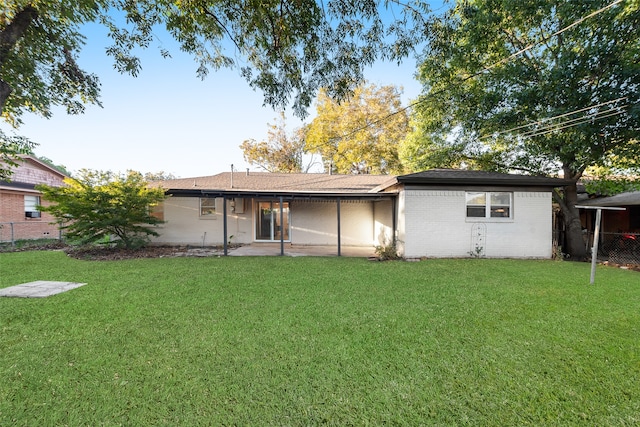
(32, 214)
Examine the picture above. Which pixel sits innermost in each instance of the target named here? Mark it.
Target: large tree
(540, 86)
(360, 134)
(285, 48)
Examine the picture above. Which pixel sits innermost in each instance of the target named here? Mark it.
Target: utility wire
(484, 70)
(546, 119)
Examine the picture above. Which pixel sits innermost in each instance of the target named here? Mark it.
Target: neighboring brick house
(19, 200)
(436, 213)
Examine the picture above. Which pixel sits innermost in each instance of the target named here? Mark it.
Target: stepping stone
(39, 289)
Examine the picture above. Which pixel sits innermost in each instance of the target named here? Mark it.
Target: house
(614, 221)
(619, 238)
(19, 201)
(436, 213)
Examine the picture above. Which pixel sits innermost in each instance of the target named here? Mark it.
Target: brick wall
(435, 225)
(12, 215)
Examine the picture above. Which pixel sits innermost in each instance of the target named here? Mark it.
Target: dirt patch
(113, 254)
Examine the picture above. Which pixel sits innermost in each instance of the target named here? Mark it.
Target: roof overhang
(287, 195)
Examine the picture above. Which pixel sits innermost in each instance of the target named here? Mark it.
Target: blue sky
(167, 119)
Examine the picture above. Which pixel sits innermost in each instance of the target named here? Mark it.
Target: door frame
(275, 218)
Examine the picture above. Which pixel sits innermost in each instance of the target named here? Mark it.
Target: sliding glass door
(268, 221)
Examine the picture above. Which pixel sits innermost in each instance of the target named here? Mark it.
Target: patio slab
(273, 249)
(38, 289)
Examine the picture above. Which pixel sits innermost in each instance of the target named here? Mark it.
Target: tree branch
(8, 39)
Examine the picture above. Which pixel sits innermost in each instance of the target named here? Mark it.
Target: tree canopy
(537, 86)
(360, 134)
(98, 205)
(287, 48)
(281, 152)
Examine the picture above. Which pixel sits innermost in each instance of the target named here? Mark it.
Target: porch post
(338, 211)
(224, 222)
(281, 226)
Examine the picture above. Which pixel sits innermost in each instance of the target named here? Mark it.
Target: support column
(339, 231)
(224, 222)
(281, 226)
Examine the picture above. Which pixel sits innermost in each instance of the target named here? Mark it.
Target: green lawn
(309, 341)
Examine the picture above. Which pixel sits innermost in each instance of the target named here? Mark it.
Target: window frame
(490, 206)
(30, 207)
(212, 209)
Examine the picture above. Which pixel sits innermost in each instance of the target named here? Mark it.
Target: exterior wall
(30, 172)
(316, 223)
(15, 226)
(435, 225)
(184, 226)
(312, 223)
(383, 232)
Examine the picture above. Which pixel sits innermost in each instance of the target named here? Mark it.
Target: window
(489, 204)
(208, 206)
(31, 204)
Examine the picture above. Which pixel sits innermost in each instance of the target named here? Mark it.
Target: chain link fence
(617, 248)
(12, 232)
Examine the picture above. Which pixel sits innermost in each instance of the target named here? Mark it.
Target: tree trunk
(8, 39)
(576, 248)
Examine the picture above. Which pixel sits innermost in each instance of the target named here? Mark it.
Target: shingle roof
(630, 198)
(459, 176)
(280, 182)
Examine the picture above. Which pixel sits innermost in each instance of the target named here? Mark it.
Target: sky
(167, 119)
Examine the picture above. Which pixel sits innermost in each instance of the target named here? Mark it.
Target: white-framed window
(31, 204)
(208, 207)
(489, 204)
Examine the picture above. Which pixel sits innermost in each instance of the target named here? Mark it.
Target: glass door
(268, 221)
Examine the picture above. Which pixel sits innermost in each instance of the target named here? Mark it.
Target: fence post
(13, 241)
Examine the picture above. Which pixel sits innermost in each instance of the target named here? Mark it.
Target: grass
(309, 341)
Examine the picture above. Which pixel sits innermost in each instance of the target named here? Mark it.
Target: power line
(581, 120)
(546, 119)
(478, 73)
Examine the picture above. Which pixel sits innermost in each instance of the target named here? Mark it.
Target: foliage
(98, 205)
(11, 148)
(281, 152)
(611, 181)
(287, 49)
(59, 168)
(507, 88)
(251, 341)
(387, 252)
(158, 176)
(360, 134)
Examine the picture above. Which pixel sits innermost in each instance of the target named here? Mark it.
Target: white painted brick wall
(435, 225)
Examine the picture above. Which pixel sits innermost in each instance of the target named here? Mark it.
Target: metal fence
(617, 248)
(12, 232)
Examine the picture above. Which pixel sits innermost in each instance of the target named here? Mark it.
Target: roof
(272, 183)
(623, 199)
(466, 177)
(324, 185)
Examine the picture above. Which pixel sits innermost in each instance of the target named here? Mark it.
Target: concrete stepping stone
(38, 289)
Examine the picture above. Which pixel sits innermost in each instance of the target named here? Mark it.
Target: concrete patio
(274, 249)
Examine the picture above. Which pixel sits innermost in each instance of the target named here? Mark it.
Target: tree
(362, 133)
(285, 48)
(281, 152)
(99, 205)
(536, 86)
